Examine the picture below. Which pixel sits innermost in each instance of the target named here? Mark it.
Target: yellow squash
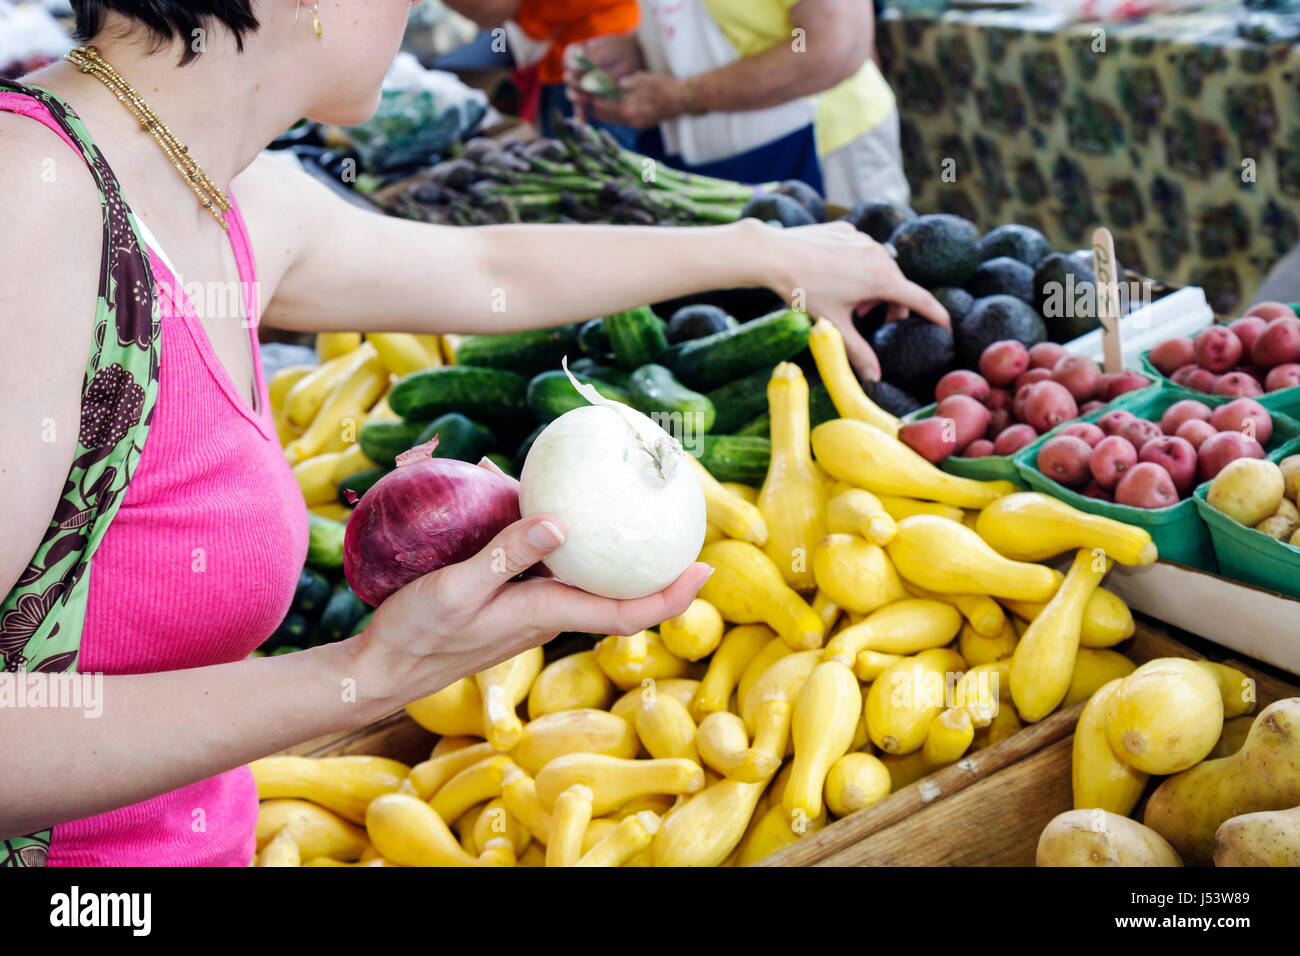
(330, 345)
(428, 777)
(502, 687)
(858, 512)
(665, 728)
(315, 478)
(903, 627)
(906, 697)
(315, 830)
(633, 835)
(827, 610)
(283, 380)
(747, 588)
(574, 681)
(614, 781)
(1236, 689)
(731, 513)
(739, 646)
(984, 614)
(1029, 526)
(899, 508)
(950, 558)
(723, 745)
(855, 781)
(855, 574)
(949, 736)
(348, 463)
(406, 830)
(866, 457)
(583, 730)
(1166, 716)
(363, 381)
(519, 797)
(695, 633)
(342, 784)
(1099, 778)
(569, 819)
(1107, 620)
(282, 850)
(771, 831)
(477, 783)
(792, 500)
(433, 347)
(825, 717)
(977, 649)
(400, 352)
(1006, 723)
(982, 691)
(1043, 663)
(1093, 669)
(827, 347)
(496, 822)
(678, 687)
(783, 680)
(869, 665)
(457, 709)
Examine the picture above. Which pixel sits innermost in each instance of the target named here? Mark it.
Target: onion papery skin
(421, 517)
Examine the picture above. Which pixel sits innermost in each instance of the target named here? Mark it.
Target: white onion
(631, 505)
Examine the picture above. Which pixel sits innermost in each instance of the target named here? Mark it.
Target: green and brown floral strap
(41, 619)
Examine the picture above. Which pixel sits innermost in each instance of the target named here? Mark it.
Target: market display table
(1180, 136)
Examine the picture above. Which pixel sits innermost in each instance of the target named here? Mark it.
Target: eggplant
(697, 321)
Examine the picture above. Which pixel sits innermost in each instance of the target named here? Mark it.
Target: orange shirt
(572, 21)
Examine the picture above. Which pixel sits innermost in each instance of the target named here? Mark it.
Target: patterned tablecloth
(1181, 137)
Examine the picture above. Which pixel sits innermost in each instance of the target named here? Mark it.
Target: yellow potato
(1278, 527)
(1266, 838)
(1102, 838)
(1247, 490)
(1290, 466)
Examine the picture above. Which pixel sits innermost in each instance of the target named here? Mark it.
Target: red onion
(424, 515)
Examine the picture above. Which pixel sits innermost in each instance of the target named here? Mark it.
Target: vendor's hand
(833, 270)
(648, 99)
(617, 54)
(466, 617)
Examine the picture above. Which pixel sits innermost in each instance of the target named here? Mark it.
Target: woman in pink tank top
(194, 561)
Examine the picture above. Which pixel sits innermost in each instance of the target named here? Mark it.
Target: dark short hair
(167, 20)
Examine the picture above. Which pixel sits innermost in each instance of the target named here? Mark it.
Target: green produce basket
(1179, 531)
(1286, 400)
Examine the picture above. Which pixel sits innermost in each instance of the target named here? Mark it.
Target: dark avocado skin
(788, 212)
(878, 218)
(914, 353)
(995, 318)
(891, 398)
(1022, 243)
(956, 301)
(1002, 275)
(804, 195)
(1071, 273)
(937, 249)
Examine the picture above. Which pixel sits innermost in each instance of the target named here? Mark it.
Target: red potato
(1146, 485)
(1031, 377)
(1064, 459)
(1176, 456)
(1080, 375)
(1094, 490)
(979, 448)
(1002, 361)
(1179, 412)
(1215, 452)
(1201, 380)
(1112, 422)
(1048, 404)
(1244, 415)
(1254, 371)
(1125, 381)
(999, 419)
(1018, 403)
(1196, 431)
(1013, 438)
(1087, 408)
(1278, 344)
(1217, 348)
(1172, 355)
(1268, 311)
(1113, 458)
(1247, 329)
(1046, 355)
(1179, 377)
(962, 382)
(971, 417)
(1282, 376)
(934, 439)
(1238, 383)
(1085, 430)
(1140, 431)
(998, 398)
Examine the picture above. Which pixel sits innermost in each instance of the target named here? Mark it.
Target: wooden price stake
(1103, 261)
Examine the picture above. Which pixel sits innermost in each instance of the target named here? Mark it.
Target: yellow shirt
(844, 112)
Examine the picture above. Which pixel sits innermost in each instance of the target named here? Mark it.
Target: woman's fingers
(558, 607)
(861, 355)
(901, 291)
(512, 552)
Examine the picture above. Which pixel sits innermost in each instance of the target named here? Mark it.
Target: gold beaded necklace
(88, 60)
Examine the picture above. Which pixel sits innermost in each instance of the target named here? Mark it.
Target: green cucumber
(820, 409)
(383, 439)
(311, 594)
(293, 631)
(521, 454)
(718, 358)
(502, 462)
(490, 395)
(359, 483)
(728, 458)
(458, 437)
(655, 392)
(324, 541)
(740, 401)
(341, 614)
(760, 426)
(551, 394)
(526, 352)
(637, 336)
(593, 340)
(586, 368)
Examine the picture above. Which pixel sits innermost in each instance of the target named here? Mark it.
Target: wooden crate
(989, 808)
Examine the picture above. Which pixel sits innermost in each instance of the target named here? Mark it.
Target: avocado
(1065, 294)
(804, 195)
(891, 398)
(914, 353)
(1024, 243)
(995, 318)
(1002, 275)
(868, 322)
(878, 218)
(937, 249)
(956, 301)
(697, 321)
(788, 212)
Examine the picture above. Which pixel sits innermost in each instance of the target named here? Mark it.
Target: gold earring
(315, 20)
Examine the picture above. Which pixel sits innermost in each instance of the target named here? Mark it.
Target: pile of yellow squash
(318, 409)
(870, 619)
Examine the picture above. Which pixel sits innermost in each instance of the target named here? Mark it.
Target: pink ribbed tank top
(198, 567)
